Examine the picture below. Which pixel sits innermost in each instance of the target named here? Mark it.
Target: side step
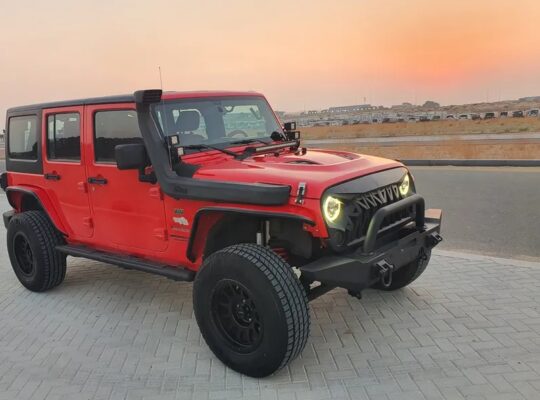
(128, 262)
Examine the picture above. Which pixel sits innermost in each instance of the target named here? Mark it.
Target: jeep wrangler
(210, 187)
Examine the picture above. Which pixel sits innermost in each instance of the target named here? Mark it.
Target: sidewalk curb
(481, 257)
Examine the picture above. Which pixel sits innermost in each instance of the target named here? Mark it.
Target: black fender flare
(41, 199)
(237, 211)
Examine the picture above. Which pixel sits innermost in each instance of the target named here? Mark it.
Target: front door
(128, 215)
(64, 172)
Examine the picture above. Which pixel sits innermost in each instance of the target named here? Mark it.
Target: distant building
(431, 104)
(531, 98)
(349, 109)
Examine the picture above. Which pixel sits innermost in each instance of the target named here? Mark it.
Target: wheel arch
(26, 198)
(208, 222)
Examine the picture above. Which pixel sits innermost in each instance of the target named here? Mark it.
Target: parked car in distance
(489, 115)
(436, 118)
(518, 114)
(503, 114)
(532, 113)
(475, 117)
(463, 116)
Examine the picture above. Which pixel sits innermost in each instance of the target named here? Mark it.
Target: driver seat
(187, 122)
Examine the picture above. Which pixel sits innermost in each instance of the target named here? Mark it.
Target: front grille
(361, 209)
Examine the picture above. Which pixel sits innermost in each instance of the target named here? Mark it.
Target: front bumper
(367, 265)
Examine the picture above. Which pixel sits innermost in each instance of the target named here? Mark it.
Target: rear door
(128, 214)
(64, 172)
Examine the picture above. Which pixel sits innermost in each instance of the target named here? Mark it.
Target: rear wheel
(251, 309)
(408, 273)
(31, 242)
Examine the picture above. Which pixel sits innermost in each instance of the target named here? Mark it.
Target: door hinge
(82, 186)
(160, 233)
(156, 193)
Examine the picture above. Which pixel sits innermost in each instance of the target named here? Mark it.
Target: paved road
(469, 328)
(486, 210)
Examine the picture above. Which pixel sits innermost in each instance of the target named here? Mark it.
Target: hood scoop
(305, 162)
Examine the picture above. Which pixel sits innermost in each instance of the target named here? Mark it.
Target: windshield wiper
(207, 146)
(248, 141)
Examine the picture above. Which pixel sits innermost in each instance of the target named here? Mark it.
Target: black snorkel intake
(179, 183)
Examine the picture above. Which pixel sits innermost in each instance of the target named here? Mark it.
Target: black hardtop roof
(126, 98)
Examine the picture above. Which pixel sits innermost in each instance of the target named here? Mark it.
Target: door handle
(97, 180)
(52, 177)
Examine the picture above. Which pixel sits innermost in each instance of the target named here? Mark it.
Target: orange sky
(302, 54)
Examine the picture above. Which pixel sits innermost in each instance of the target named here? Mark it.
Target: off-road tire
(408, 273)
(40, 267)
(278, 299)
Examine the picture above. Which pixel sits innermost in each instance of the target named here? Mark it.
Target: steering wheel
(237, 132)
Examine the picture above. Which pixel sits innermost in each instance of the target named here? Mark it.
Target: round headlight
(405, 186)
(332, 208)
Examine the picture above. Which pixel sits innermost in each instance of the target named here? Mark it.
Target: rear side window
(112, 128)
(23, 137)
(64, 137)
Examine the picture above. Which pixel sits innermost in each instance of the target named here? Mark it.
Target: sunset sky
(301, 54)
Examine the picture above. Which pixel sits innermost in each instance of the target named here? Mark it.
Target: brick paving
(469, 328)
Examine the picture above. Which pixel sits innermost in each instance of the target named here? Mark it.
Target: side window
(246, 118)
(23, 137)
(112, 128)
(64, 137)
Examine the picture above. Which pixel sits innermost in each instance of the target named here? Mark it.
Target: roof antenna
(160, 78)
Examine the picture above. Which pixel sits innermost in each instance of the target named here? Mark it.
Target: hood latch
(301, 192)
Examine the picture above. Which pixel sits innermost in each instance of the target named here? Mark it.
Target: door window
(112, 128)
(64, 137)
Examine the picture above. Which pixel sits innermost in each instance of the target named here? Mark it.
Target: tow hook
(385, 273)
(434, 239)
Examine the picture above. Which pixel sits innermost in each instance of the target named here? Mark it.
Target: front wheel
(251, 309)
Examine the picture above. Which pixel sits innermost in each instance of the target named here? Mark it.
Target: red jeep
(210, 187)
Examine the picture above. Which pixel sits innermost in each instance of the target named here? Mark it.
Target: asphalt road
(487, 210)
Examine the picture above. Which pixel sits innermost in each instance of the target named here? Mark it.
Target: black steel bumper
(379, 256)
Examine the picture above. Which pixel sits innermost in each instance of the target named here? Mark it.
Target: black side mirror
(131, 156)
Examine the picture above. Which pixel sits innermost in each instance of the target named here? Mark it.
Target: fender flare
(235, 211)
(15, 194)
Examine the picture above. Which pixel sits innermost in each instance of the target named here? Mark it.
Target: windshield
(217, 121)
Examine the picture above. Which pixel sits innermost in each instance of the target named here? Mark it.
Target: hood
(319, 169)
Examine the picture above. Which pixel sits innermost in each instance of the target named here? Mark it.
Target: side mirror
(130, 156)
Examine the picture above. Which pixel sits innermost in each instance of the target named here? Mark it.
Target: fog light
(332, 208)
(405, 186)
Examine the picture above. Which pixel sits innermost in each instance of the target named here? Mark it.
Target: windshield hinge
(301, 192)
